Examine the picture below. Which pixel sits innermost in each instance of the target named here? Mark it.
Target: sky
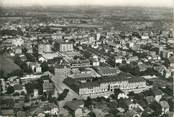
(151, 3)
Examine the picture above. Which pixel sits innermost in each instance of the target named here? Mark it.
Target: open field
(7, 65)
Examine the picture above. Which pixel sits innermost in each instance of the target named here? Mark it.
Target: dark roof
(157, 91)
(130, 113)
(79, 61)
(6, 103)
(89, 84)
(73, 105)
(18, 87)
(171, 59)
(120, 77)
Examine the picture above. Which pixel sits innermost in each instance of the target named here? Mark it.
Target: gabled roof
(75, 104)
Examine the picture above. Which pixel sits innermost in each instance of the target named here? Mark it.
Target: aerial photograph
(86, 58)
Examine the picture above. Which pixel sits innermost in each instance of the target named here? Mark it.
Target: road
(58, 79)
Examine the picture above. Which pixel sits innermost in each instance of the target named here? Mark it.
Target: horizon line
(87, 5)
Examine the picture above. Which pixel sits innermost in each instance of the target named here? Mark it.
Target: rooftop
(75, 104)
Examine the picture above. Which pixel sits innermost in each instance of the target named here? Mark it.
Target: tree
(92, 114)
(44, 66)
(10, 90)
(116, 92)
(17, 73)
(157, 109)
(52, 70)
(50, 98)
(16, 94)
(131, 94)
(88, 102)
(63, 94)
(1, 73)
(26, 98)
(22, 93)
(122, 103)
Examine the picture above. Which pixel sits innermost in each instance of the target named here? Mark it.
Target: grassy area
(7, 65)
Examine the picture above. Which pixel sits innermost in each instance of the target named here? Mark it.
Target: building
(165, 106)
(18, 50)
(64, 46)
(98, 35)
(76, 107)
(80, 63)
(35, 67)
(44, 48)
(118, 59)
(19, 88)
(48, 87)
(103, 85)
(18, 41)
(108, 71)
(83, 75)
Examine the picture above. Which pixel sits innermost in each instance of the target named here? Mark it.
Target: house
(21, 114)
(161, 69)
(30, 50)
(6, 102)
(131, 113)
(122, 95)
(95, 62)
(133, 106)
(18, 50)
(171, 60)
(64, 46)
(36, 93)
(79, 63)
(108, 71)
(147, 112)
(149, 99)
(49, 56)
(18, 41)
(41, 115)
(44, 48)
(48, 87)
(132, 59)
(118, 59)
(165, 106)
(23, 58)
(19, 88)
(168, 73)
(99, 112)
(76, 107)
(35, 67)
(143, 67)
(51, 109)
(42, 59)
(157, 93)
(7, 113)
(19, 106)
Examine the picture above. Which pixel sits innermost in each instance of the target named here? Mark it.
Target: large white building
(64, 46)
(123, 81)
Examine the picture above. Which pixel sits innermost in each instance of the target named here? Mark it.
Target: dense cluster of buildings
(53, 65)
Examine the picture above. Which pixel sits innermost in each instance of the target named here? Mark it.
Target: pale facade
(125, 86)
